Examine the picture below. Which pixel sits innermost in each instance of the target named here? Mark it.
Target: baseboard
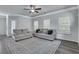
(67, 40)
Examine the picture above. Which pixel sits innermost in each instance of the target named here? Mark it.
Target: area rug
(38, 46)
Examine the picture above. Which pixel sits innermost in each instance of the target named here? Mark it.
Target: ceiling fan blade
(38, 9)
(26, 9)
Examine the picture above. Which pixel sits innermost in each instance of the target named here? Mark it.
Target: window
(64, 24)
(46, 23)
(35, 25)
(13, 25)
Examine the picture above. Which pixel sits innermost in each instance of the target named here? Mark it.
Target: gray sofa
(43, 34)
(20, 34)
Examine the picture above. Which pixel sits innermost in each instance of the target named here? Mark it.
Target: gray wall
(24, 23)
(21, 23)
(2, 25)
(54, 24)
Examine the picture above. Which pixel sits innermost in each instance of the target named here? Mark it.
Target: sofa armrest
(54, 33)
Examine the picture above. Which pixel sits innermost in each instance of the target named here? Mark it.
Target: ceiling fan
(33, 9)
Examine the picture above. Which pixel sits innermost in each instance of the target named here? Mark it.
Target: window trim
(34, 24)
(62, 32)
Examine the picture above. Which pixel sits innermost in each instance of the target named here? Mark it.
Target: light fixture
(32, 10)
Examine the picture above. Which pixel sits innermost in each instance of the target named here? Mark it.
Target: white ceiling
(19, 9)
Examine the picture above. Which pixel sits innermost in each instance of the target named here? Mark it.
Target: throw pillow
(50, 32)
(37, 30)
(45, 31)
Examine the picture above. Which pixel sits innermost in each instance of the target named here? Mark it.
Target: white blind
(35, 25)
(46, 23)
(13, 25)
(64, 24)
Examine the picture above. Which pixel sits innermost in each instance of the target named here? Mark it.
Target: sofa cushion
(25, 30)
(45, 31)
(50, 32)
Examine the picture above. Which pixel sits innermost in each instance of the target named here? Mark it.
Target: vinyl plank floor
(68, 47)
